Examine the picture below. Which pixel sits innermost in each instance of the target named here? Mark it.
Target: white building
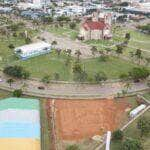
(32, 50)
(138, 109)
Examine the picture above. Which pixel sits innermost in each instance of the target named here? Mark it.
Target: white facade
(32, 50)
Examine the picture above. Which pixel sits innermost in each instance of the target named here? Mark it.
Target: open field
(82, 119)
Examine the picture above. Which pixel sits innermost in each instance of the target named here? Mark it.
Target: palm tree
(58, 51)
(127, 86)
(10, 81)
(68, 51)
(78, 54)
(138, 54)
(54, 43)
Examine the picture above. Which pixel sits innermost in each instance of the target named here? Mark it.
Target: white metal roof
(33, 46)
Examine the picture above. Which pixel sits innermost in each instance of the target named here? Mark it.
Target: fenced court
(19, 124)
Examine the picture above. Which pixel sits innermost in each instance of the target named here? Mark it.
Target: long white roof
(33, 46)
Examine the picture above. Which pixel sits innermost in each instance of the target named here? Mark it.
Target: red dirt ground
(80, 119)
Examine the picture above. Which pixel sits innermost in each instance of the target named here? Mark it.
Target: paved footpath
(63, 90)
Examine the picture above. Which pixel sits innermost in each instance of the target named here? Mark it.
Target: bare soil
(82, 119)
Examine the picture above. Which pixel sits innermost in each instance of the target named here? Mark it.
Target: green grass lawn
(147, 96)
(64, 31)
(133, 132)
(113, 67)
(51, 64)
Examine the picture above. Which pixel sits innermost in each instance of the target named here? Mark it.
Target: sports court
(19, 124)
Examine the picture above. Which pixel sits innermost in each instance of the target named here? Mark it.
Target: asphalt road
(63, 90)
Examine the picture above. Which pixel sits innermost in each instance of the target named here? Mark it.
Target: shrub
(143, 125)
(17, 93)
(72, 25)
(73, 147)
(11, 46)
(139, 73)
(100, 76)
(131, 144)
(117, 135)
(16, 71)
(103, 58)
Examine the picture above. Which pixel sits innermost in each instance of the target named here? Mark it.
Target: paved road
(63, 90)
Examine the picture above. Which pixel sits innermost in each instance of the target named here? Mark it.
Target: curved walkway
(62, 90)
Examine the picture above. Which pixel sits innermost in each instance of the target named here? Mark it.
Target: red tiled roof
(94, 25)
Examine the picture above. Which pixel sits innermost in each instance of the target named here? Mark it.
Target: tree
(103, 58)
(81, 76)
(127, 36)
(78, 54)
(138, 54)
(10, 81)
(46, 79)
(77, 68)
(124, 77)
(17, 93)
(117, 135)
(93, 50)
(138, 73)
(131, 144)
(54, 43)
(11, 46)
(58, 51)
(73, 147)
(16, 71)
(47, 19)
(119, 49)
(143, 125)
(72, 25)
(56, 76)
(100, 76)
(68, 52)
(27, 40)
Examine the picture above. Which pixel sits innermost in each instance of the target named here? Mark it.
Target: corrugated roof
(33, 46)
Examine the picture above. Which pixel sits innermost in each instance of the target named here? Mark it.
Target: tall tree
(138, 54)
(93, 50)
(78, 54)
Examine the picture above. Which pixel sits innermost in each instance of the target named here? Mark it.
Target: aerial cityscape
(74, 74)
